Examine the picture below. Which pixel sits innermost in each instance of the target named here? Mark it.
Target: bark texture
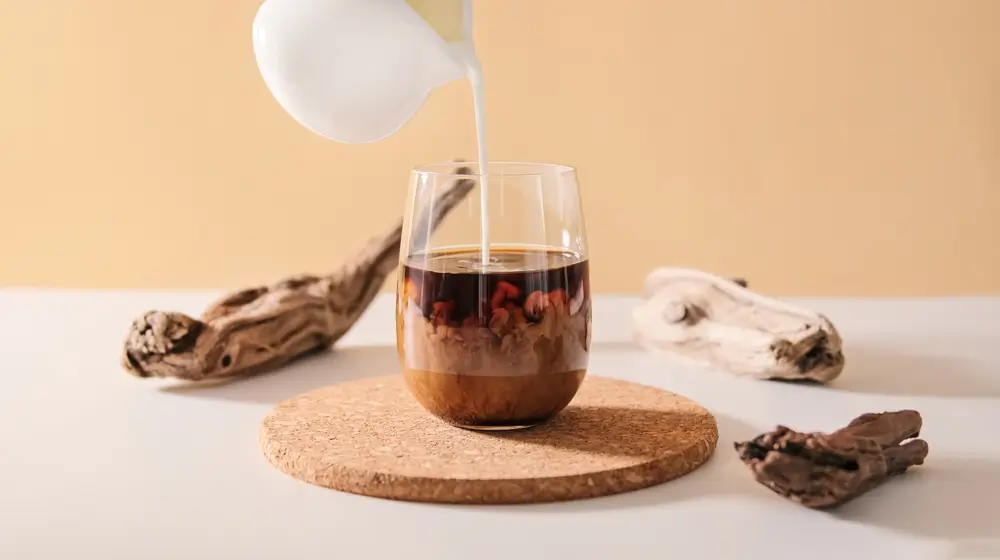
(264, 327)
(720, 323)
(821, 470)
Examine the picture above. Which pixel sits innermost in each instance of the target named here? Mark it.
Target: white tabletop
(95, 463)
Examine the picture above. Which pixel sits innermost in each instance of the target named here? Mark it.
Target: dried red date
(505, 291)
(535, 305)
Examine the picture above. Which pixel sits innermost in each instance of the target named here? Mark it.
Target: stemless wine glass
(494, 337)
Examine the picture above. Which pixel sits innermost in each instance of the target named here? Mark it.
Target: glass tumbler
(495, 336)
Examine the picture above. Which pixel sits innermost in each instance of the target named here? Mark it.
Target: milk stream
(475, 75)
(478, 101)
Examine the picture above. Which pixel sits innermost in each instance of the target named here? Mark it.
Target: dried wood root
(262, 328)
(720, 323)
(822, 470)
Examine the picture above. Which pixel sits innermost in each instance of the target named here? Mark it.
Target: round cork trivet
(371, 437)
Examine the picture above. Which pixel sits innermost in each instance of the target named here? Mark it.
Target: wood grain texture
(720, 323)
(820, 470)
(370, 437)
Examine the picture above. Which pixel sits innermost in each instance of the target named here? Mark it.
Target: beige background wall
(815, 147)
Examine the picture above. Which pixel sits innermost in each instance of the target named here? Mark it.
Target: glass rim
(533, 169)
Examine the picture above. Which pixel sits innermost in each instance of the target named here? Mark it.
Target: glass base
(503, 428)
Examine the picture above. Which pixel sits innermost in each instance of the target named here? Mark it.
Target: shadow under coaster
(370, 437)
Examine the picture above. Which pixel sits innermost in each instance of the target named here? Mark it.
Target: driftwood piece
(720, 323)
(262, 328)
(820, 470)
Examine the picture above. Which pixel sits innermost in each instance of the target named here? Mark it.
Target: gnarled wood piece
(720, 323)
(822, 470)
(264, 327)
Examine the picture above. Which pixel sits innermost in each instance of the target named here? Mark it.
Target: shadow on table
(895, 371)
(947, 498)
(957, 500)
(311, 372)
(892, 371)
(722, 474)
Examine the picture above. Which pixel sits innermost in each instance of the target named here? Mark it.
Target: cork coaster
(370, 437)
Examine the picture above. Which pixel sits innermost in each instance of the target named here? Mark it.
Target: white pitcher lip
(496, 168)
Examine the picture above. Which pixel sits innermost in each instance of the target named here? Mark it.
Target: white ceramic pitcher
(357, 70)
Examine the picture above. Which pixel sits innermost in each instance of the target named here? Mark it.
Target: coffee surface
(504, 343)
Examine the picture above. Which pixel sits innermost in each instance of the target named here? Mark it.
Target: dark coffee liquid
(503, 345)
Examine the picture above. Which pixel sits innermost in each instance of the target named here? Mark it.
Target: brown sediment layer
(494, 401)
